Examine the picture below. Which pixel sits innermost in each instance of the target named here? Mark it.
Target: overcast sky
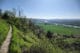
(47, 9)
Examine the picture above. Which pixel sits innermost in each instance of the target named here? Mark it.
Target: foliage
(0, 12)
(4, 27)
(44, 46)
(17, 42)
(20, 41)
(49, 34)
(31, 38)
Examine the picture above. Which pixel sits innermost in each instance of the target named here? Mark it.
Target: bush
(49, 34)
(42, 47)
(37, 49)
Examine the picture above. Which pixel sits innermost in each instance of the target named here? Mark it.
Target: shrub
(49, 34)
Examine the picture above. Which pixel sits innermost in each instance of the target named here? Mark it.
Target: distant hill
(75, 22)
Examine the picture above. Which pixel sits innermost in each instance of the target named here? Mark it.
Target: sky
(45, 9)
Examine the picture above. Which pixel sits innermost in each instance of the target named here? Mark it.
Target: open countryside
(39, 26)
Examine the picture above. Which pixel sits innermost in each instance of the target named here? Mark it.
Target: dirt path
(5, 46)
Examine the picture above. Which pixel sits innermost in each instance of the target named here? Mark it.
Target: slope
(4, 28)
(5, 45)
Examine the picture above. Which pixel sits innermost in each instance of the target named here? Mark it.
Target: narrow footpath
(5, 46)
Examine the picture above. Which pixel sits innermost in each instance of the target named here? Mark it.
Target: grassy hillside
(4, 28)
(27, 37)
(30, 43)
(60, 29)
(20, 41)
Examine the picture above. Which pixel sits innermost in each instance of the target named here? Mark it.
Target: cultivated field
(60, 29)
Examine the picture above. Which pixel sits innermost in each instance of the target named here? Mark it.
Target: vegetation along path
(5, 46)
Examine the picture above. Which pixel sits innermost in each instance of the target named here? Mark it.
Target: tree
(9, 16)
(5, 15)
(49, 34)
(0, 12)
(31, 25)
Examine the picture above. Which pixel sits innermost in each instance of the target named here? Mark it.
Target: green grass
(31, 43)
(19, 40)
(44, 46)
(60, 29)
(4, 28)
(16, 42)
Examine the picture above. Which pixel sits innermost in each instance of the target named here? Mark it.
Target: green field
(60, 29)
